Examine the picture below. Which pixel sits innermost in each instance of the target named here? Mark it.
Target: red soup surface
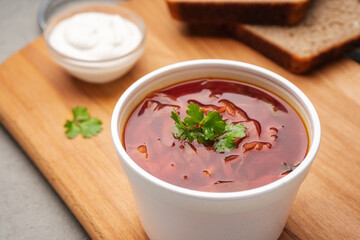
(276, 139)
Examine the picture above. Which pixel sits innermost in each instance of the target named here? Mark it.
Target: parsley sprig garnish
(82, 123)
(208, 130)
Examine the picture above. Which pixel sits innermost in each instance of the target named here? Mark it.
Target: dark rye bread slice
(330, 29)
(280, 12)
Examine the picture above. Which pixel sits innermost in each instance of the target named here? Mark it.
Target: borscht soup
(215, 135)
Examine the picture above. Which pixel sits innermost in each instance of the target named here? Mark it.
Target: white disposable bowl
(97, 71)
(171, 212)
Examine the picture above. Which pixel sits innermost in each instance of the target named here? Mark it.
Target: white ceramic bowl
(171, 212)
(96, 71)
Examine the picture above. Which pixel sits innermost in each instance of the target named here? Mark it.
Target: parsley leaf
(180, 131)
(72, 129)
(213, 125)
(82, 123)
(80, 113)
(90, 127)
(226, 141)
(209, 130)
(196, 116)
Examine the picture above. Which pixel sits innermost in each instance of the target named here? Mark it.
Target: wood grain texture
(36, 96)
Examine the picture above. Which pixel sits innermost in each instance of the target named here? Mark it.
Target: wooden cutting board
(36, 97)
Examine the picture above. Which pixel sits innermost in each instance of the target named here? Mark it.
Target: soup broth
(276, 139)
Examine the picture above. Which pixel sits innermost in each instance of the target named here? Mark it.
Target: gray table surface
(29, 207)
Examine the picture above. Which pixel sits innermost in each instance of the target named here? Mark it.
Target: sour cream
(95, 36)
(96, 47)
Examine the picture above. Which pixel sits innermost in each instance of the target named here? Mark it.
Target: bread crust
(290, 61)
(279, 13)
